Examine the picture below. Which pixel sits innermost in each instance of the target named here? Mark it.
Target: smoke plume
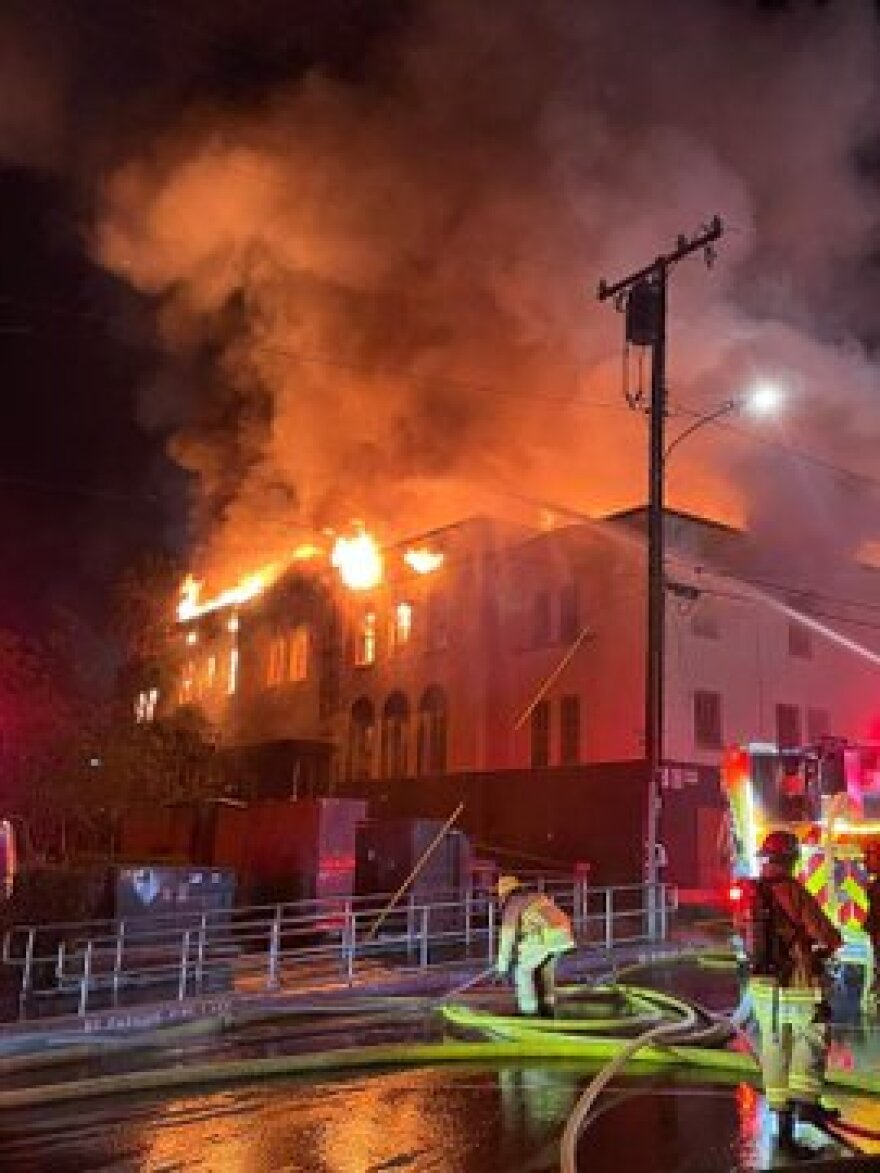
(377, 297)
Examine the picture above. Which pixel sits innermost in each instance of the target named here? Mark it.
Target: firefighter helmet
(506, 885)
(782, 845)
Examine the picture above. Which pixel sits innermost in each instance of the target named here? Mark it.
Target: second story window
(707, 719)
(400, 627)
(278, 654)
(570, 730)
(299, 653)
(818, 724)
(540, 730)
(800, 641)
(365, 642)
(788, 726)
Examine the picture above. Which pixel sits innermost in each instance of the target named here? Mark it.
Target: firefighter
(790, 940)
(534, 933)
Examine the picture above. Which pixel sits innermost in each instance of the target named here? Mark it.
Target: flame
(423, 560)
(358, 560)
(190, 607)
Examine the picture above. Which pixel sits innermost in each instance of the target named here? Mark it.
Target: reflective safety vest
(531, 922)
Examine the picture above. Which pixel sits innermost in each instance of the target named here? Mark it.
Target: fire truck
(828, 795)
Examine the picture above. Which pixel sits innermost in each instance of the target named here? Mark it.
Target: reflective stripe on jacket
(531, 921)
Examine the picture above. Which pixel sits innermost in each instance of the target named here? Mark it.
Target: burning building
(487, 651)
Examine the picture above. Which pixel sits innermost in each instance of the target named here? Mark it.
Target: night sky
(135, 418)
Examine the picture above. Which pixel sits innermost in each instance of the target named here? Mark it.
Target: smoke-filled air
(378, 297)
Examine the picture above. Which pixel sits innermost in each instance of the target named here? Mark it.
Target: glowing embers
(423, 560)
(358, 560)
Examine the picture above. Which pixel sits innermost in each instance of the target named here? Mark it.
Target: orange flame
(190, 607)
(423, 560)
(358, 560)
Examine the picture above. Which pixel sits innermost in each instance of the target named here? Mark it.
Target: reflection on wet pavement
(452, 1119)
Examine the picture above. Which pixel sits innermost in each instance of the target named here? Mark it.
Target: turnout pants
(534, 974)
(793, 1043)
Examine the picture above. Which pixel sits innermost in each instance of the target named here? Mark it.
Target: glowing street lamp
(762, 401)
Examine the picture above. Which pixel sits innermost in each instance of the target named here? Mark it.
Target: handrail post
(274, 948)
(468, 913)
(85, 981)
(663, 911)
(200, 953)
(117, 960)
(490, 932)
(423, 950)
(410, 925)
(59, 963)
(352, 945)
(609, 918)
(26, 975)
(184, 965)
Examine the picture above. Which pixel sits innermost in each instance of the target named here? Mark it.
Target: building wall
(492, 632)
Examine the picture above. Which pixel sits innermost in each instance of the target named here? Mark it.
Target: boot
(786, 1141)
(816, 1114)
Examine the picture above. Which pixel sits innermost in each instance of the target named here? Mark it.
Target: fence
(66, 968)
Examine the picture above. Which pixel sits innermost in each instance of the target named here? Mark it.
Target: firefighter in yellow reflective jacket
(791, 938)
(534, 933)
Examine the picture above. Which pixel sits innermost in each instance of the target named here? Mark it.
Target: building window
(361, 737)
(800, 641)
(818, 724)
(570, 730)
(278, 653)
(438, 623)
(299, 654)
(395, 736)
(541, 622)
(788, 726)
(540, 730)
(433, 722)
(704, 621)
(365, 645)
(569, 613)
(145, 706)
(707, 719)
(400, 628)
(232, 679)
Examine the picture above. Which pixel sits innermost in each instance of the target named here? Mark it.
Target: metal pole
(117, 960)
(274, 948)
(85, 981)
(26, 974)
(184, 966)
(609, 918)
(200, 953)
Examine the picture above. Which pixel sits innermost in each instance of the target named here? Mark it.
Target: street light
(762, 400)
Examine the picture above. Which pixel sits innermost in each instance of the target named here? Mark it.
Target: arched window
(395, 735)
(431, 758)
(361, 737)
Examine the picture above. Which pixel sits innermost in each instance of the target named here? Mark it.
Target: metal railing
(95, 965)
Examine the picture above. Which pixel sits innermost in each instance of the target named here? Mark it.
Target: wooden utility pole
(643, 296)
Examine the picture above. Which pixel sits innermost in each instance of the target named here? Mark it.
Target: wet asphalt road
(451, 1119)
